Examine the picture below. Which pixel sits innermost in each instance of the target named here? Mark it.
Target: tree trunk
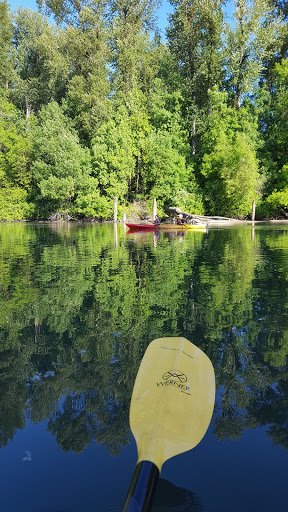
(28, 107)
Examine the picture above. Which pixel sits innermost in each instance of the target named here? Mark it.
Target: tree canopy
(95, 105)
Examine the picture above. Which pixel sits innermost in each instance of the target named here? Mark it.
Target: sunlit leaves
(15, 175)
(113, 155)
(60, 161)
(253, 41)
(169, 178)
(229, 165)
(5, 45)
(40, 68)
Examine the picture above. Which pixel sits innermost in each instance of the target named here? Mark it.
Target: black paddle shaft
(141, 490)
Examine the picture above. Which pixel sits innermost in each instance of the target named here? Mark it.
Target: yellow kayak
(183, 227)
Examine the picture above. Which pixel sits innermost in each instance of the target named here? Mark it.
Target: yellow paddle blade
(172, 400)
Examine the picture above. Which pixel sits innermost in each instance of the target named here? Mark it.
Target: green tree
(61, 166)
(131, 21)
(134, 64)
(14, 148)
(5, 44)
(194, 38)
(169, 172)
(272, 111)
(15, 173)
(229, 166)
(85, 46)
(169, 178)
(88, 91)
(254, 40)
(41, 70)
(114, 156)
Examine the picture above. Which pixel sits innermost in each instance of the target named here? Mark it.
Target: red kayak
(142, 227)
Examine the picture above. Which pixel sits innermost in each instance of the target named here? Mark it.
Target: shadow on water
(169, 497)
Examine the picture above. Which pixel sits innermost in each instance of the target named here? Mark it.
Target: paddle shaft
(141, 490)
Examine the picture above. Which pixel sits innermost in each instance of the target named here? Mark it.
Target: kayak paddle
(171, 408)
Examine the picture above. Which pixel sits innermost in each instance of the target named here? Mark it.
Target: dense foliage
(95, 105)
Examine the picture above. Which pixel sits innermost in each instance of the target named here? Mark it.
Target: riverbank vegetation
(94, 105)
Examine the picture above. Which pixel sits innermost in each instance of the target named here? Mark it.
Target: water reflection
(79, 305)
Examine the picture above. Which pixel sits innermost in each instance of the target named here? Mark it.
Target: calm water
(79, 305)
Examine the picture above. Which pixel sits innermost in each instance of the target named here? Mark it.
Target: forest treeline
(94, 105)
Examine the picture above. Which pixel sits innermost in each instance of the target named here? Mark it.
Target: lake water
(79, 305)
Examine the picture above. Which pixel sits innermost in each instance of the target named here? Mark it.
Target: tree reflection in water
(78, 313)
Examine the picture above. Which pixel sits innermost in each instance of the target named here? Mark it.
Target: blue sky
(163, 11)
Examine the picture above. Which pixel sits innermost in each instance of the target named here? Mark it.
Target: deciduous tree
(5, 44)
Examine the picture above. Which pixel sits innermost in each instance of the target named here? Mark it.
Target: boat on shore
(167, 227)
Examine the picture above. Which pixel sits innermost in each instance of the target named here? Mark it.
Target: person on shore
(157, 221)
